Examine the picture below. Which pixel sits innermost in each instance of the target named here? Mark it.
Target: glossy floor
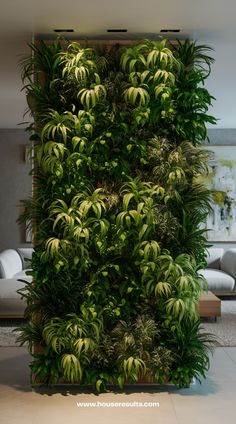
(214, 401)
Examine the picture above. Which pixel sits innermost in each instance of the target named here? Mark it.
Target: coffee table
(209, 305)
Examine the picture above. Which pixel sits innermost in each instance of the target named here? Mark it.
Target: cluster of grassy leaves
(116, 212)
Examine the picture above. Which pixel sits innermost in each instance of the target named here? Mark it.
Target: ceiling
(94, 17)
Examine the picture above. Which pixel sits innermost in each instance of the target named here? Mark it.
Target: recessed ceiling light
(170, 30)
(63, 30)
(117, 30)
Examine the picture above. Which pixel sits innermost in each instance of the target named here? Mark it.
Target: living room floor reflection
(212, 400)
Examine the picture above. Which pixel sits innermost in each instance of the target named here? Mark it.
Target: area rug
(10, 331)
(8, 337)
(224, 328)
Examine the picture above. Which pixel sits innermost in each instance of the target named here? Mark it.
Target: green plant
(192, 99)
(191, 359)
(177, 167)
(116, 211)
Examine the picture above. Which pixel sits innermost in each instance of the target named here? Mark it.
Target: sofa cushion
(214, 255)
(11, 303)
(10, 263)
(228, 262)
(9, 287)
(12, 308)
(26, 256)
(218, 280)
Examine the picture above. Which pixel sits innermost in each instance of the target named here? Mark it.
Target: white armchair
(13, 266)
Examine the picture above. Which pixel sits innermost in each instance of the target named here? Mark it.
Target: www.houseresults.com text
(134, 404)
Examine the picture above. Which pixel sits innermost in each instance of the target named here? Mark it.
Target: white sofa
(220, 272)
(14, 263)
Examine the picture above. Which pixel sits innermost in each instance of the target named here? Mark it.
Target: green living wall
(116, 212)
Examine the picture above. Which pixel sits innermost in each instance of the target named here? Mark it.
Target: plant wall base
(149, 383)
(116, 211)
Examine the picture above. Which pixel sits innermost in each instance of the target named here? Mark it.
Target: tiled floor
(214, 401)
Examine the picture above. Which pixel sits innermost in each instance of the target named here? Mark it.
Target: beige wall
(12, 99)
(15, 185)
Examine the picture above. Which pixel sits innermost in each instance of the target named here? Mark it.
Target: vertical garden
(116, 212)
